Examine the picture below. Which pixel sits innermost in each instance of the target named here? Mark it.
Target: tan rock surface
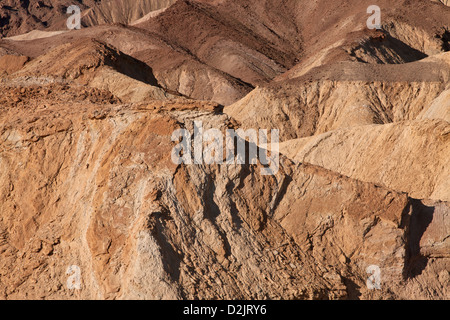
(173, 68)
(89, 192)
(99, 66)
(20, 17)
(122, 11)
(10, 63)
(387, 155)
(95, 187)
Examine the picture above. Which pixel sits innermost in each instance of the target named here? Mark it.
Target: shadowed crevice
(421, 218)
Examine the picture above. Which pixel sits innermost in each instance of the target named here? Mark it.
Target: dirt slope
(122, 11)
(344, 95)
(287, 32)
(174, 68)
(89, 62)
(228, 55)
(19, 17)
(386, 155)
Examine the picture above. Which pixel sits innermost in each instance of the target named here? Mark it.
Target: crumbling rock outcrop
(94, 207)
(95, 187)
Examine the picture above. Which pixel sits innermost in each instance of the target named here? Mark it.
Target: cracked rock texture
(93, 207)
(97, 189)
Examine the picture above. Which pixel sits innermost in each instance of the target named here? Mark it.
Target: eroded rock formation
(92, 205)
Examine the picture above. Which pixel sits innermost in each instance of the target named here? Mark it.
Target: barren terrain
(87, 118)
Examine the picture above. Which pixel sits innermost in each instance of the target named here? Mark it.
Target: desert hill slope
(97, 65)
(88, 124)
(217, 32)
(122, 11)
(174, 68)
(104, 195)
(228, 55)
(385, 154)
(19, 17)
(345, 94)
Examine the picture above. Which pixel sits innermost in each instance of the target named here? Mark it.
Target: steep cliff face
(94, 207)
(93, 186)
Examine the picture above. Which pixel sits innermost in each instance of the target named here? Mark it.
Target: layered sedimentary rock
(93, 206)
(95, 187)
(387, 155)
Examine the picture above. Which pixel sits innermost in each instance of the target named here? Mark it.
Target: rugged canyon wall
(92, 205)
(95, 187)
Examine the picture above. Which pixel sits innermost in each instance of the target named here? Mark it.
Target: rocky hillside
(93, 185)
(94, 207)
(18, 16)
